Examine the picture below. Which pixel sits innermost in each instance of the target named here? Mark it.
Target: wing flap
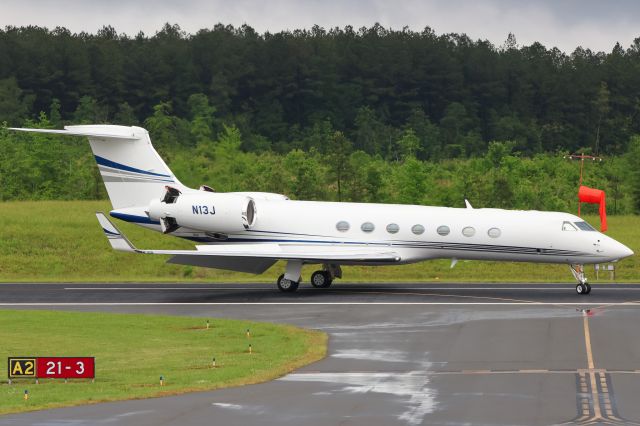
(301, 252)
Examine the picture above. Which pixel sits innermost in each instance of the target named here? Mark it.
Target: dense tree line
(447, 96)
(37, 166)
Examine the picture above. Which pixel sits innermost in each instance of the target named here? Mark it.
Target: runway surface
(405, 354)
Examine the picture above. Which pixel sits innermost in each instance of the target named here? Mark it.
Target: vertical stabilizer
(132, 170)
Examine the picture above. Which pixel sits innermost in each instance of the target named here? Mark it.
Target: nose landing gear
(583, 287)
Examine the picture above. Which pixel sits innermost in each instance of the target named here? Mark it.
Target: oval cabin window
(393, 228)
(367, 227)
(443, 230)
(342, 226)
(468, 231)
(417, 229)
(494, 232)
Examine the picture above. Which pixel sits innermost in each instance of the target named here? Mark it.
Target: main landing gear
(583, 287)
(290, 280)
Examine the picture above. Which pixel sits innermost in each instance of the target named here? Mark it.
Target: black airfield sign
(22, 368)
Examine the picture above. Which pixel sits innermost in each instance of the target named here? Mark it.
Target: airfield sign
(51, 367)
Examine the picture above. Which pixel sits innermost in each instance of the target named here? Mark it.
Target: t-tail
(132, 171)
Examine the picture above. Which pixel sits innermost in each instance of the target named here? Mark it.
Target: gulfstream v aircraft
(250, 231)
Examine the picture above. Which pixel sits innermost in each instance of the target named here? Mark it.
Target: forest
(369, 114)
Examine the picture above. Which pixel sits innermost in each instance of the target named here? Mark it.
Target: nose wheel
(583, 286)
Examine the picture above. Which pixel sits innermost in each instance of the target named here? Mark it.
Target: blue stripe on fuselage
(133, 218)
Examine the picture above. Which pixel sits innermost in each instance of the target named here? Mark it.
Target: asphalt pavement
(399, 354)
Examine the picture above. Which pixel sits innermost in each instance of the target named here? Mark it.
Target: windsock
(595, 196)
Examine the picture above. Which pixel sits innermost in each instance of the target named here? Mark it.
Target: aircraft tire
(287, 286)
(321, 279)
(582, 289)
(588, 288)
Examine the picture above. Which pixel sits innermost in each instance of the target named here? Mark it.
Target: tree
(54, 113)
(601, 105)
(408, 144)
(202, 124)
(13, 104)
(89, 111)
(165, 127)
(337, 157)
(125, 116)
(634, 171)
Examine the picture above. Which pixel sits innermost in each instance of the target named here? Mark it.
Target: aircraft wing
(237, 255)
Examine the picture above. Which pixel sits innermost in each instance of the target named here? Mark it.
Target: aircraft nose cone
(623, 251)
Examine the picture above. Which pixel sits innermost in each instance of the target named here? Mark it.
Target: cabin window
(567, 226)
(342, 226)
(443, 230)
(584, 226)
(393, 228)
(417, 229)
(494, 232)
(367, 227)
(468, 231)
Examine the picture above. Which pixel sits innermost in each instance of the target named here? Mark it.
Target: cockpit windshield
(584, 226)
(567, 226)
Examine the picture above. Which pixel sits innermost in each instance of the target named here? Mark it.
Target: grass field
(133, 351)
(62, 241)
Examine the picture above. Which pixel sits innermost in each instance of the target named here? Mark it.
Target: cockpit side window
(567, 226)
(584, 226)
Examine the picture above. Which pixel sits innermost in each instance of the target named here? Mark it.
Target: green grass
(133, 351)
(62, 241)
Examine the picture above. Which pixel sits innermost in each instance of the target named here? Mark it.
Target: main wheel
(582, 288)
(286, 285)
(588, 288)
(321, 279)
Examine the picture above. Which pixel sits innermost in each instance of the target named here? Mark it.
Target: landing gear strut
(583, 287)
(289, 281)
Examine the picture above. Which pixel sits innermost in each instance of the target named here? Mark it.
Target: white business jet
(250, 231)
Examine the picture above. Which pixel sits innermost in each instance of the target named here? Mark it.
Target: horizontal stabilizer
(116, 239)
(97, 131)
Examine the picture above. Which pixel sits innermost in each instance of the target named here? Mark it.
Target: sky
(566, 24)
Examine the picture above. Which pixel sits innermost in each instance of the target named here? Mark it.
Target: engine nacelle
(204, 211)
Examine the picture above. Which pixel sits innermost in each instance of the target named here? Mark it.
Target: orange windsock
(595, 196)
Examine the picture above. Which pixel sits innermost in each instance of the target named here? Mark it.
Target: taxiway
(405, 354)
